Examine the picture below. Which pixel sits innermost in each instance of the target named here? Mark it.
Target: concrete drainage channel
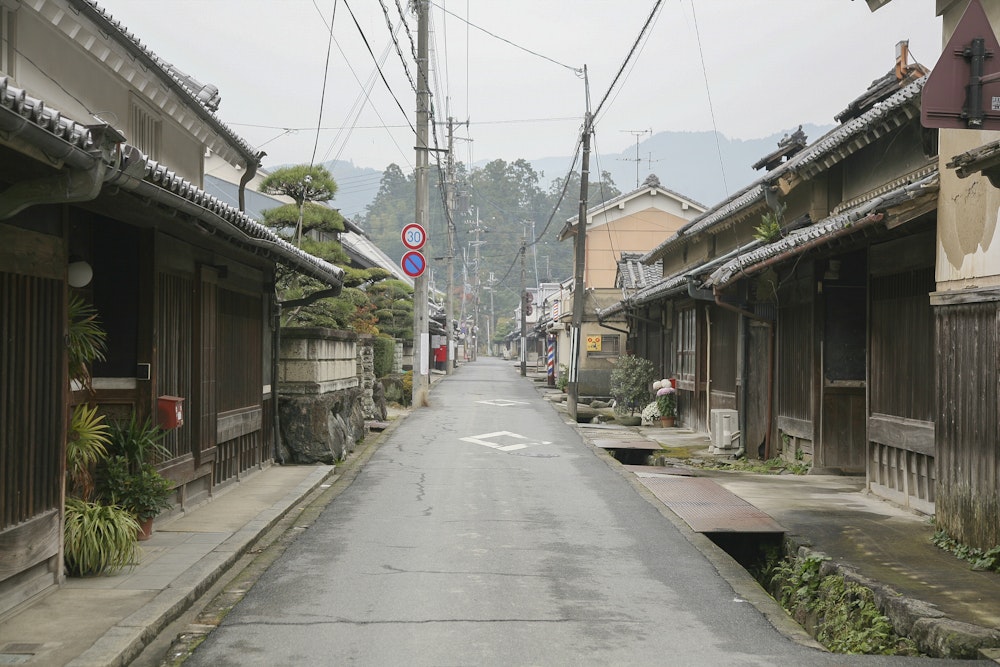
(842, 611)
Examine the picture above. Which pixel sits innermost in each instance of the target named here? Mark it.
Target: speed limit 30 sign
(414, 236)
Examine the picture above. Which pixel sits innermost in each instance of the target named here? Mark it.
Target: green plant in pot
(143, 492)
(666, 401)
(97, 538)
(128, 478)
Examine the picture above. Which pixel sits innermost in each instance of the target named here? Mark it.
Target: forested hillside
(505, 201)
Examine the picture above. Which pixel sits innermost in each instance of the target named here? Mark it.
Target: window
(603, 346)
(685, 336)
(7, 45)
(144, 129)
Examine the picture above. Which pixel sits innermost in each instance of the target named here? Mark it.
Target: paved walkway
(108, 620)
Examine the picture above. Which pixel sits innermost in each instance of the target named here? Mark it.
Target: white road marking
(502, 402)
(500, 440)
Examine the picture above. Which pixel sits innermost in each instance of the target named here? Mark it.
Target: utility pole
(524, 316)
(450, 221)
(490, 325)
(580, 245)
(421, 340)
(475, 299)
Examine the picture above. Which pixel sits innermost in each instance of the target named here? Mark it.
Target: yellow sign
(593, 343)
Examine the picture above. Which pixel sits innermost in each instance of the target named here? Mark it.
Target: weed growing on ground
(986, 561)
(774, 466)
(841, 615)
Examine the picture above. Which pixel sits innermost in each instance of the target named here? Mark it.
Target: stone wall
(366, 374)
(319, 395)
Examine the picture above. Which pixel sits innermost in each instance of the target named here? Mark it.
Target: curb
(935, 634)
(123, 642)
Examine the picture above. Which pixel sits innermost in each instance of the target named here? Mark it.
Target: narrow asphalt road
(484, 531)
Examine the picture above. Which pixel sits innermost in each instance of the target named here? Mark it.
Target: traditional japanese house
(632, 222)
(112, 209)
(802, 302)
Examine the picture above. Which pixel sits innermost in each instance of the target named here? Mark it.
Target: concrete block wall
(315, 360)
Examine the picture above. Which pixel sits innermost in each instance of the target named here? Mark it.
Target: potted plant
(97, 538)
(129, 478)
(666, 401)
(142, 492)
(630, 380)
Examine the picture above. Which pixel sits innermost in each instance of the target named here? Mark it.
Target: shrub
(630, 381)
(407, 387)
(385, 350)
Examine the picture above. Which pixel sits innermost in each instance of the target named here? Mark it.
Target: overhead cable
(507, 41)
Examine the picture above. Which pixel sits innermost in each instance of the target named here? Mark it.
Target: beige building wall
(75, 50)
(639, 232)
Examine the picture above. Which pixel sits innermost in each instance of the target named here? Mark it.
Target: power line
(399, 50)
(711, 108)
(505, 40)
(364, 38)
(512, 121)
(635, 45)
(326, 73)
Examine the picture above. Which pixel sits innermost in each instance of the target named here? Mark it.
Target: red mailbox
(170, 412)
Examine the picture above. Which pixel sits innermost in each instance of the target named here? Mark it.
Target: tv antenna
(637, 159)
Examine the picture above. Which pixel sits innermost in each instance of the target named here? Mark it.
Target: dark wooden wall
(32, 410)
(968, 421)
(902, 393)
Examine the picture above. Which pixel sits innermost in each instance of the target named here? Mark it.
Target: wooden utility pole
(450, 221)
(524, 315)
(580, 245)
(421, 339)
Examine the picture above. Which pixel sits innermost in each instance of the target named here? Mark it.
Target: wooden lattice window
(145, 129)
(685, 335)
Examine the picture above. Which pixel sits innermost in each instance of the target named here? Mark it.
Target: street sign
(413, 264)
(963, 90)
(414, 236)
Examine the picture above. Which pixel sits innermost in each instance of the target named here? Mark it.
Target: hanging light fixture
(79, 272)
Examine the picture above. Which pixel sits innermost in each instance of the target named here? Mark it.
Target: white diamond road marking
(496, 441)
(502, 402)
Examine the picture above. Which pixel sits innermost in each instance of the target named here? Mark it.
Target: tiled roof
(33, 110)
(868, 213)
(636, 275)
(133, 171)
(810, 160)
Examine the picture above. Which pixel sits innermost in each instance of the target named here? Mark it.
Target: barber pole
(550, 362)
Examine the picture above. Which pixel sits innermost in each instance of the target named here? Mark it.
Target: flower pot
(145, 529)
(667, 422)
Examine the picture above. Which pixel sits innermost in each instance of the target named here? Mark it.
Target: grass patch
(841, 615)
(775, 466)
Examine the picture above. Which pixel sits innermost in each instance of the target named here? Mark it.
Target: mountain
(686, 162)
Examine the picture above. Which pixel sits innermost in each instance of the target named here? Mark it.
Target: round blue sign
(413, 264)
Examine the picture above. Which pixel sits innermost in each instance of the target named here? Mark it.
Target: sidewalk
(948, 608)
(101, 621)
(108, 620)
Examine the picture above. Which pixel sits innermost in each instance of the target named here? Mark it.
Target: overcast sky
(762, 66)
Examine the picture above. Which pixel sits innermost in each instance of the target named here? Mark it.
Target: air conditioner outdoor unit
(724, 424)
